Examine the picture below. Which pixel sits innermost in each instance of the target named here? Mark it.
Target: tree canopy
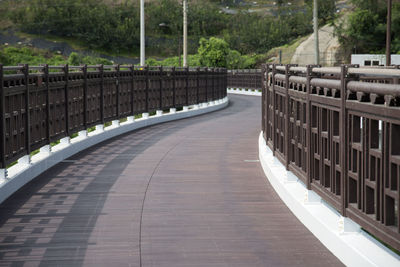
(116, 27)
(365, 31)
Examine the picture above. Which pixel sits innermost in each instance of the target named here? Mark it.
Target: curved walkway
(184, 193)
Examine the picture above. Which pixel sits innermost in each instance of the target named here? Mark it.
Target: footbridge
(139, 166)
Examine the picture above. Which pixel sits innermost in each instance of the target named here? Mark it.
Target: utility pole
(388, 31)
(316, 32)
(142, 40)
(185, 33)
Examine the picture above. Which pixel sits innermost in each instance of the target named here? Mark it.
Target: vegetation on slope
(14, 55)
(365, 29)
(115, 27)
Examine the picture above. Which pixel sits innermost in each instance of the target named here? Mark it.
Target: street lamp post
(388, 31)
(142, 40)
(185, 64)
(316, 32)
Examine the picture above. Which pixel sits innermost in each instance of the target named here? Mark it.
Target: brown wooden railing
(39, 105)
(338, 130)
(245, 79)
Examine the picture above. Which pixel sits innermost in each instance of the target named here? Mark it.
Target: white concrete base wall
(240, 91)
(28, 168)
(343, 237)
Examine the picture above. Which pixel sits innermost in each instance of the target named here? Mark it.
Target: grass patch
(11, 164)
(34, 152)
(55, 143)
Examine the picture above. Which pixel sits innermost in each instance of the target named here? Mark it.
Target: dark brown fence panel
(210, 84)
(75, 101)
(125, 93)
(37, 110)
(154, 89)
(180, 87)
(40, 105)
(167, 92)
(279, 87)
(325, 108)
(57, 84)
(15, 115)
(297, 133)
(202, 76)
(339, 133)
(139, 91)
(93, 97)
(373, 149)
(192, 86)
(110, 88)
(245, 79)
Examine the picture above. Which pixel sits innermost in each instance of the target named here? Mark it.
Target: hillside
(110, 28)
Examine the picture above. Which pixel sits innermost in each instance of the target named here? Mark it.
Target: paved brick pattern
(204, 196)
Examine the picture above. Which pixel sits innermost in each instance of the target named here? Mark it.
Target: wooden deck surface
(184, 193)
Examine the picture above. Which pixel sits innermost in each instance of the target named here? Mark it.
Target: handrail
(337, 129)
(38, 108)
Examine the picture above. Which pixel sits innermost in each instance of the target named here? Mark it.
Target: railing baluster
(85, 97)
(187, 86)
(66, 96)
(132, 69)
(2, 121)
(46, 78)
(173, 87)
(101, 69)
(27, 111)
(147, 87)
(117, 83)
(161, 87)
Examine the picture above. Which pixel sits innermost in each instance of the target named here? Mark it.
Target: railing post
(2, 122)
(101, 69)
(146, 69)
(197, 85)
(161, 85)
(343, 137)
(263, 101)
(84, 70)
(206, 91)
(187, 85)
(344, 140)
(173, 74)
(287, 117)
(213, 84)
(310, 153)
(66, 70)
(27, 111)
(132, 69)
(118, 109)
(273, 110)
(46, 78)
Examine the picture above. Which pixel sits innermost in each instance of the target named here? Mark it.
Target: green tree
(213, 52)
(365, 31)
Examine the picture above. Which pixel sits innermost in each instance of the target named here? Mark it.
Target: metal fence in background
(338, 130)
(39, 105)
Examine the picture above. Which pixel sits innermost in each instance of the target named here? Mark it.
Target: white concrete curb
(27, 169)
(343, 237)
(240, 91)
